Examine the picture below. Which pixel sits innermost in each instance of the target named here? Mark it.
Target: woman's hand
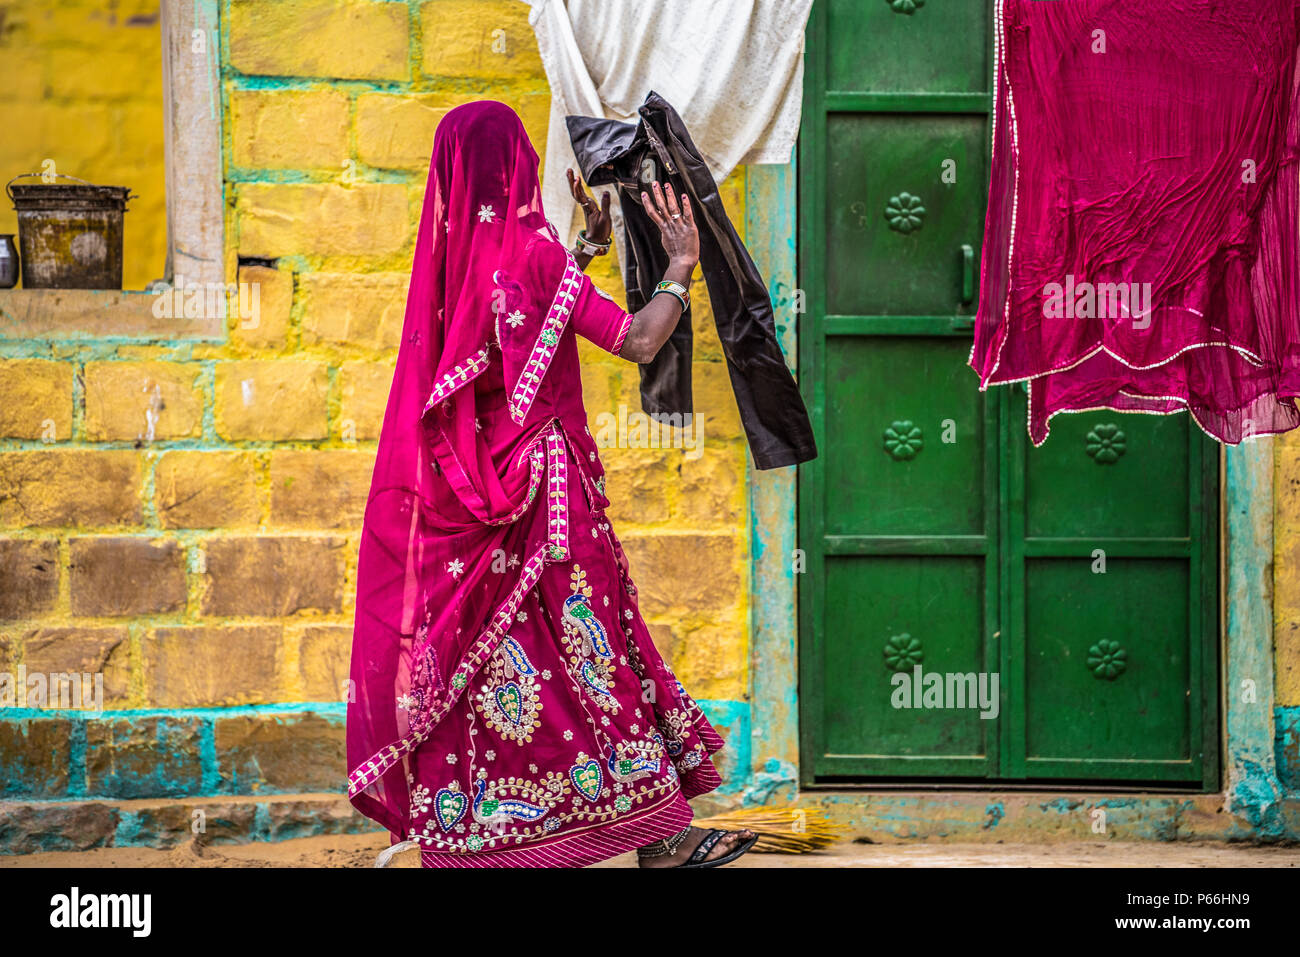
(598, 222)
(654, 322)
(676, 226)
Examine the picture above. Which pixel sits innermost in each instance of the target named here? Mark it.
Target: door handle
(967, 274)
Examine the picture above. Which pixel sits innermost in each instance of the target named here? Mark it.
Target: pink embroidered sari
(510, 708)
(1142, 245)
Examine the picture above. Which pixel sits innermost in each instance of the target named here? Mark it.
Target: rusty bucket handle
(10, 192)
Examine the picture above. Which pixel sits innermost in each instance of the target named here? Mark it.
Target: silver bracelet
(592, 248)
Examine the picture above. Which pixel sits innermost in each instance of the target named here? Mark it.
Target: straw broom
(780, 830)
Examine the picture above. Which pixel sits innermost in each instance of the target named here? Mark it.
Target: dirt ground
(360, 850)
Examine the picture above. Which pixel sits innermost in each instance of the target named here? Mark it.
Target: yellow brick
(686, 574)
(142, 401)
(709, 660)
(344, 39)
(290, 129)
(269, 328)
(707, 345)
(1287, 643)
(324, 656)
(79, 139)
(280, 219)
(211, 666)
(324, 488)
(604, 273)
(637, 483)
(26, 67)
(715, 401)
(478, 38)
(359, 309)
(108, 75)
(89, 24)
(596, 395)
(71, 487)
(1286, 567)
(627, 389)
(36, 399)
(272, 400)
(710, 488)
(396, 131)
(732, 193)
(195, 489)
(363, 387)
(534, 110)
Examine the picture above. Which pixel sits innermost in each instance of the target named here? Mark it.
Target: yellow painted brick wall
(186, 516)
(82, 88)
(1286, 567)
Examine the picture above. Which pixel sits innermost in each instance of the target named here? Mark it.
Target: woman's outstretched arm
(652, 325)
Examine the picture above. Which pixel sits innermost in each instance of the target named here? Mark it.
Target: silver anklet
(663, 846)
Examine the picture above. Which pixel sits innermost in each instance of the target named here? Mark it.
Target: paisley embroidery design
(514, 661)
(593, 679)
(587, 777)
(508, 699)
(449, 806)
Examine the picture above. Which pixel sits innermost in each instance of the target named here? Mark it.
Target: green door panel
(891, 614)
(895, 229)
(938, 47)
(1108, 677)
(1082, 574)
(1103, 474)
(905, 443)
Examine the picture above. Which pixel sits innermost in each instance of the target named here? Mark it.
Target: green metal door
(939, 542)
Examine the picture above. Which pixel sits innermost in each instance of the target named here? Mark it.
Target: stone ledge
(33, 827)
(94, 314)
(1044, 817)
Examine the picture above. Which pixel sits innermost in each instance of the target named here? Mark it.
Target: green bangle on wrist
(676, 290)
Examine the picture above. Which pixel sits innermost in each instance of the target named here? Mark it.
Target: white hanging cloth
(733, 70)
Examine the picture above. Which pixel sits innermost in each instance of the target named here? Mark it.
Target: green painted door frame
(1249, 784)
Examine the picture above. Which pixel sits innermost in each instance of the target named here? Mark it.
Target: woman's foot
(726, 844)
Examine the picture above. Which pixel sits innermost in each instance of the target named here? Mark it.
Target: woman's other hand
(598, 222)
(676, 225)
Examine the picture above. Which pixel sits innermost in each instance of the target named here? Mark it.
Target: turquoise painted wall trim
(1253, 788)
(158, 753)
(1287, 720)
(731, 720)
(772, 775)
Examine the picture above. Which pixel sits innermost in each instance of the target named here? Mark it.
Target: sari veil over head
(506, 699)
(465, 285)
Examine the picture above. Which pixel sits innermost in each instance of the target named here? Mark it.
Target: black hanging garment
(659, 148)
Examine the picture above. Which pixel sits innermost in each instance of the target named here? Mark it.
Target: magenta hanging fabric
(1141, 249)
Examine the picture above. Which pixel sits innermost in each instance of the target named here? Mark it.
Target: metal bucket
(69, 234)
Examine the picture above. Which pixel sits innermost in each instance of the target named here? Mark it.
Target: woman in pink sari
(509, 707)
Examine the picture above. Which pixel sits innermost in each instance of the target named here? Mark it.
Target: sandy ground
(360, 850)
